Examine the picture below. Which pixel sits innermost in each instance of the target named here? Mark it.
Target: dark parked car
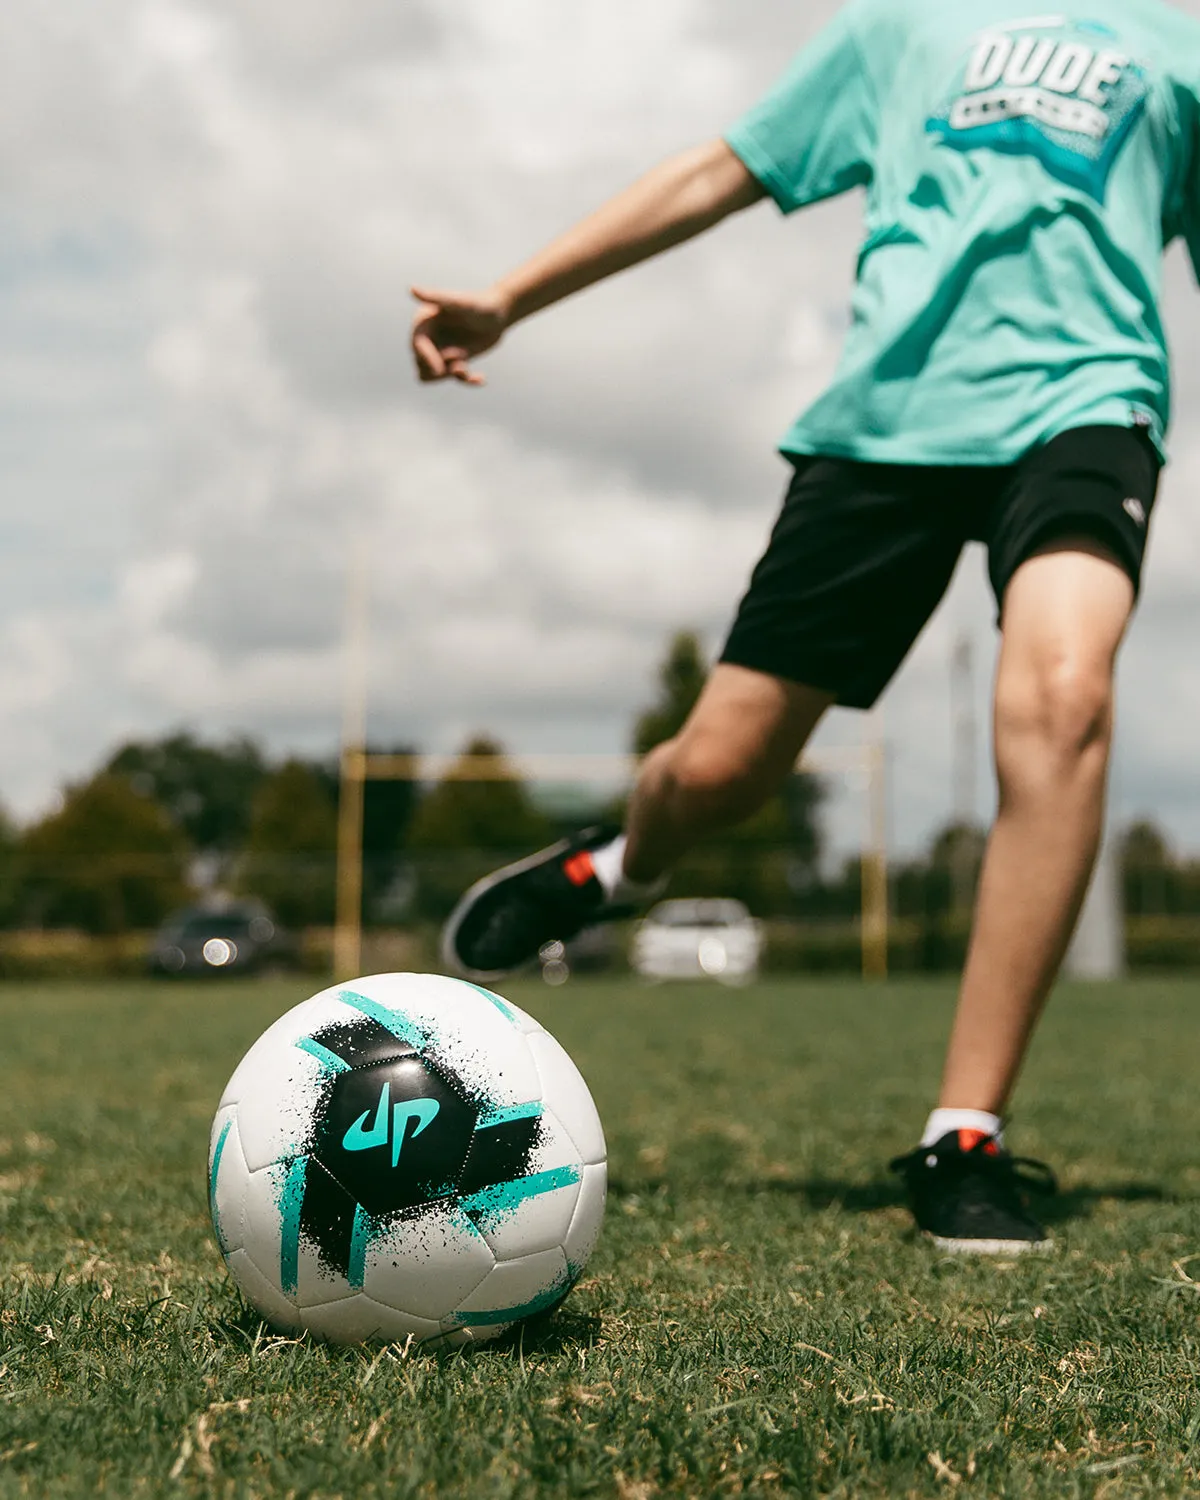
(240, 938)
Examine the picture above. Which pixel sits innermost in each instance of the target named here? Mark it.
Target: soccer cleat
(967, 1194)
(507, 917)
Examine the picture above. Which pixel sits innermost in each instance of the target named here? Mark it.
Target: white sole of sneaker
(990, 1247)
(481, 887)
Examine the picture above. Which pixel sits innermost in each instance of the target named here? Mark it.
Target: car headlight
(220, 952)
(712, 955)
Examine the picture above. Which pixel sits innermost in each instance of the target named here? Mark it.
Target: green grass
(756, 1320)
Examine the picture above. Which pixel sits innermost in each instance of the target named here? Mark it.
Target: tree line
(163, 820)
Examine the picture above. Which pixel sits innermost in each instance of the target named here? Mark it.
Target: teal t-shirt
(1024, 172)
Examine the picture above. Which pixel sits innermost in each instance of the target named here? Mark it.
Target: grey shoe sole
(989, 1247)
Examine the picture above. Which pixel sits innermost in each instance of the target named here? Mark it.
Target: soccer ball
(406, 1156)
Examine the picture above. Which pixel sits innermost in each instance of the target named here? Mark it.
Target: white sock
(942, 1121)
(609, 864)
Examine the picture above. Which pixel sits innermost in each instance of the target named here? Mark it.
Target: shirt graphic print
(1061, 91)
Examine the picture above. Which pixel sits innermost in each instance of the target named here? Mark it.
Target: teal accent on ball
(391, 1020)
(504, 1114)
(490, 1318)
(327, 1059)
(506, 1197)
(291, 1201)
(502, 1006)
(360, 1238)
(218, 1152)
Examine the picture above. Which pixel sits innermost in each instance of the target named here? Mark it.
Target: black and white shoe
(507, 917)
(967, 1194)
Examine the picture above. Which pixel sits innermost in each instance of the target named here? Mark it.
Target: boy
(1005, 379)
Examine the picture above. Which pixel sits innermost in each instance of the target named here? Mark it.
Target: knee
(1062, 712)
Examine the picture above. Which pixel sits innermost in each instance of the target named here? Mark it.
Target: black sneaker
(507, 917)
(967, 1194)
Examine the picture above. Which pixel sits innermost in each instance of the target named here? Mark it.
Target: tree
(388, 808)
(109, 860)
(209, 792)
(492, 814)
(1144, 843)
(289, 858)
(8, 870)
(955, 862)
(1150, 875)
(387, 811)
(462, 828)
(206, 790)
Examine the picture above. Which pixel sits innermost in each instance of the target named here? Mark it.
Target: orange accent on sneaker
(579, 869)
(969, 1139)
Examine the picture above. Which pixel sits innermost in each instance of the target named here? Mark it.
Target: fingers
(430, 363)
(443, 364)
(433, 362)
(458, 367)
(439, 327)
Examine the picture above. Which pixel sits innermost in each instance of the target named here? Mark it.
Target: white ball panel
(264, 1222)
(358, 1319)
(428, 1264)
(275, 1114)
(225, 1113)
(555, 1146)
(580, 1239)
(565, 1092)
(228, 1184)
(315, 1282)
(523, 1021)
(262, 1295)
(516, 1289)
(302, 1020)
(539, 1222)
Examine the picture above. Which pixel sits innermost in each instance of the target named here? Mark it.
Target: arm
(679, 199)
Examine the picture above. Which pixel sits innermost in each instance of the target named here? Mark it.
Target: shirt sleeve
(813, 136)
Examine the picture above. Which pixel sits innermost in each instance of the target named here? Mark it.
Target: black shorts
(862, 553)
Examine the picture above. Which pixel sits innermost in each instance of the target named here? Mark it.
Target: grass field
(756, 1320)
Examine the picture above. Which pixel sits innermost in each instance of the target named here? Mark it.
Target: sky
(210, 214)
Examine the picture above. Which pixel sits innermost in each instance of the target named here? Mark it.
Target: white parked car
(698, 939)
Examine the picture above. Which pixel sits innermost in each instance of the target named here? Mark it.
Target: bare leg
(737, 748)
(1065, 613)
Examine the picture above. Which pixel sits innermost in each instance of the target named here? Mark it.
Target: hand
(452, 328)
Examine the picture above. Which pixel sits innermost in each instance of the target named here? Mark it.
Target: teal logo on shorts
(390, 1124)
